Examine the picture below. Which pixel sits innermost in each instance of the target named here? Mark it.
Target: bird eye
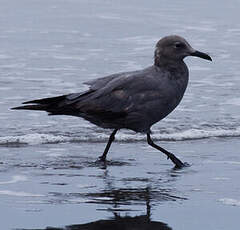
(179, 45)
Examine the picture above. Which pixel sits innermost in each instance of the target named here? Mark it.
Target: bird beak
(201, 55)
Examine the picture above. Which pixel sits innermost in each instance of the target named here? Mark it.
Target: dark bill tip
(201, 55)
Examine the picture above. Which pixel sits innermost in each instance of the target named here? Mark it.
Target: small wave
(191, 134)
(33, 139)
(230, 201)
(15, 179)
(22, 194)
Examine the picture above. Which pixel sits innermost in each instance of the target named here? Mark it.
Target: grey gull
(131, 100)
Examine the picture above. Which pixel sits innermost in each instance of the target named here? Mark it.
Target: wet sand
(59, 185)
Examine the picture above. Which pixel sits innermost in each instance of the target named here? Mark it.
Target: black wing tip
(15, 108)
(31, 107)
(26, 102)
(31, 102)
(24, 105)
(19, 107)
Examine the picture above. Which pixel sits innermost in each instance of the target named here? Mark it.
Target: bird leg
(175, 160)
(110, 140)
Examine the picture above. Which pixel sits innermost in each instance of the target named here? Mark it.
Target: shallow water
(48, 172)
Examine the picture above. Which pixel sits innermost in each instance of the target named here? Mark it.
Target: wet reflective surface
(49, 177)
(118, 222)
(61, 185)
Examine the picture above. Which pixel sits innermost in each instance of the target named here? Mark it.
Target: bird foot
(101, 162)
(183, 165)
(101, 159)
(178, 163)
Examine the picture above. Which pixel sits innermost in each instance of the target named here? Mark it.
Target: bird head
(174, 48)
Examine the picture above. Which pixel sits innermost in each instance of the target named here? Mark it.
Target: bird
(132, 100)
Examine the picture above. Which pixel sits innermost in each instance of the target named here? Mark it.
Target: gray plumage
(132, 100)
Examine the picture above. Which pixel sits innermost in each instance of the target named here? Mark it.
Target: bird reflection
(133, 193)
(128, 196)
(118, 221)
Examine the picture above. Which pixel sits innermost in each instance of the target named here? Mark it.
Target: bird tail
(50, 104)
(31, 107)
(61, 105)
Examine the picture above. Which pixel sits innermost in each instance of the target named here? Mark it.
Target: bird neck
(177, 69)
(167, 63)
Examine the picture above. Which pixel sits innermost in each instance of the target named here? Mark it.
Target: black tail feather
(45, 104)
(60, 105)
(31, 107)
(48, 100)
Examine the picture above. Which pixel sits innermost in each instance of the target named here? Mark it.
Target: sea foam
(191, 134)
